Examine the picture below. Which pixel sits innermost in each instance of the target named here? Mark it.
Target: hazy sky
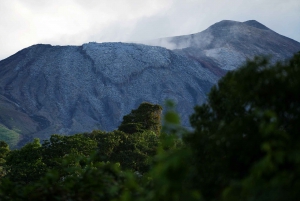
(74, 22)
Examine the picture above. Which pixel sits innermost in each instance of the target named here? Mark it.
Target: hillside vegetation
(244, 146)
(11, 137)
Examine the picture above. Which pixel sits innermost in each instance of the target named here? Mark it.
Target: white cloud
(27, 22)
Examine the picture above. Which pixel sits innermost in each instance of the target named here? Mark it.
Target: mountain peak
(229, 23)
(224, 23)
(256, 24)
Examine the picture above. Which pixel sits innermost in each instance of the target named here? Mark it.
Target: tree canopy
(246, 136)
(146, 117)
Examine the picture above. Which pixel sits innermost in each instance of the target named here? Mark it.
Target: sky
(73, 22)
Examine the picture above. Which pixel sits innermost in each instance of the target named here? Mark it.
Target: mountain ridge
(72, 89)
(47, 89)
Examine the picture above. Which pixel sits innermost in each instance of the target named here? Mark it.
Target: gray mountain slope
(77, 89)
(227, 44)
(48, 89)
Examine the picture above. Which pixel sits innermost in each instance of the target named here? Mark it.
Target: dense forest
(244, 146)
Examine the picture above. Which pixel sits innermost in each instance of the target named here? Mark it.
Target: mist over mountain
(48, 89)
(227, 44)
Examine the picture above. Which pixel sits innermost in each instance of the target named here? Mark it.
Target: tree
(25, 165)
(246, 137)
(92, 181)
(59, 147)
(32, 161)
(4, 150)
(131, 151)
(146, 117)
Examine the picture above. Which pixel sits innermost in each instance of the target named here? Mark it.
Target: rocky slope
(227, 44)
(48, 89)
(51, 89)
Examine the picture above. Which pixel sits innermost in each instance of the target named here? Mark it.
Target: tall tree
(146, 117)
(248, 132)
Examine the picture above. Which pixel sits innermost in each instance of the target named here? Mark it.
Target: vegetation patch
(11, 137)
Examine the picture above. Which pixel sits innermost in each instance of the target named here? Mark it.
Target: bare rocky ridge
(227, 44)
(48, 89)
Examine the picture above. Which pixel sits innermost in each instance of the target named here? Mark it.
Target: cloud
(73, 22)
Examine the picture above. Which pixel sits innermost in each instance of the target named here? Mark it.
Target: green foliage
(145, 117)
(59, 147)
(25, 165)
(92, 181)
(132, 151)
(246, 136)
(11, 137)
(33, 160)
(171, 121)
(169, 177)
(4, 150)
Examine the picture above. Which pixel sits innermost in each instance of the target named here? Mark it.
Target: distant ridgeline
(65, 90)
